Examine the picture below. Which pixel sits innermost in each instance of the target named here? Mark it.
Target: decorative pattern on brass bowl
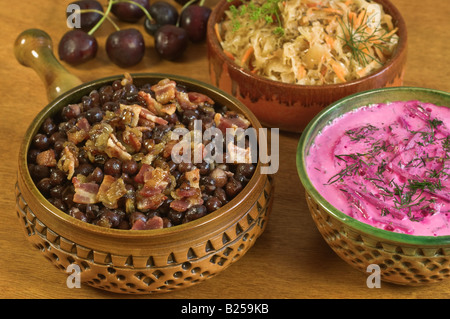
(151, 273)
(144, 261)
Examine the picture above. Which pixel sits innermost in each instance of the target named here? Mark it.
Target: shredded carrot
(330, 41)
(348, 2)
(390, 34)
(380, 55)
(359, 19)
(228, 54)
(311, 4)
(332, 10)
(301, 72)
(352, 17)
(368, 30)
(216, 29)
(364, 71)
(339, 70)
(323, 70)
(364, 49)
(375, 40)
(247, 55)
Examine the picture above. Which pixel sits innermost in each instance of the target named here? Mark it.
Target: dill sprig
(268, 11)
(446, 144)
(350, 169)
(429, 136)
(360, 38)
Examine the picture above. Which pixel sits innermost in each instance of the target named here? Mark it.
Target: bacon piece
(146, 114)
(141, 176)
(184, 101)
(153, 202)
(165, 91)
(181, 205)
(132, 137)
(115, 149)
(199, 98)
(224, 122)
(157, 179)
(169, 108)
(184, 192)
(79, 132)
(151, 103)
(130, 113)
(46, 158)
(187, 196)
(85, 193)
(110, 191)
(156, 107)
(151, 195)
(155, 222)
(193, 177)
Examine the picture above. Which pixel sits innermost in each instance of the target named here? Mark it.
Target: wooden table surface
(289, 260)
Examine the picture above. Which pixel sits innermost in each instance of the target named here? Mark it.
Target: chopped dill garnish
(361, 132)
(359, 38)
(424, 185)
(446, 144)
(435, 123)
(268, 11)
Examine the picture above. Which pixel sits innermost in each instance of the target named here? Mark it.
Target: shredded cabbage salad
(309, 42)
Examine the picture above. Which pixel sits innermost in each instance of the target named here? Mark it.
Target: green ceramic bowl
(402, 259)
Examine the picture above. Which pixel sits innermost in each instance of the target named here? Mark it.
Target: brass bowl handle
(33, 48)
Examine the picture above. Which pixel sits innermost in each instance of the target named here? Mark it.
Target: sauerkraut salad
(309, 42)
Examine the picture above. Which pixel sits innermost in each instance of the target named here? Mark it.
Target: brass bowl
(290, 107)
(403, 259)
(143, 261)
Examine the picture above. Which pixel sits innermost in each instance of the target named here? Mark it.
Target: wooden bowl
(142, 261)
(402, 259)
(289, 106)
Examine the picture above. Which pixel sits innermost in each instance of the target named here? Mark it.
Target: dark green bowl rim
(345, 219)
